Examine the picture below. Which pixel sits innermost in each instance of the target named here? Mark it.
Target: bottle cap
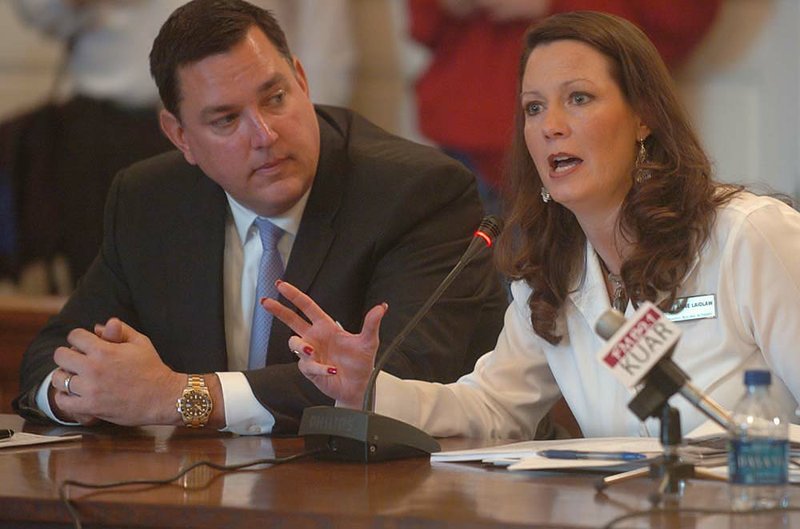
(757, 377)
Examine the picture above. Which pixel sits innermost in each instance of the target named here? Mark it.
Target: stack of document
(573, 453)
(711, 435)
(705, 446)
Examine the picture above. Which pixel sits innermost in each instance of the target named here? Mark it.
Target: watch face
(195, 405)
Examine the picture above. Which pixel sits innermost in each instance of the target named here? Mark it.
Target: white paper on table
(27, 439)
(516, 453)
(711, 428)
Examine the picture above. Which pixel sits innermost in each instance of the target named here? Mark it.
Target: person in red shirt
(466, 98)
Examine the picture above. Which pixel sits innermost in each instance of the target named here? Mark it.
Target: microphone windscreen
(609, 323)
(490, 226)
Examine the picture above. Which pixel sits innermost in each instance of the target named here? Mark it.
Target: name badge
(696, 308)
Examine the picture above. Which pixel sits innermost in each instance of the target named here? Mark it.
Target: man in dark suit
(158, 330)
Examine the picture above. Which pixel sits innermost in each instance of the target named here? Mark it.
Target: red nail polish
(308, 349)
(331, 370)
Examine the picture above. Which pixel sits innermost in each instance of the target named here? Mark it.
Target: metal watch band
(196, 385)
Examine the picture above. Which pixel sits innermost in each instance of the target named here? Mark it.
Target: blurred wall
(743, 89)
(742, 86)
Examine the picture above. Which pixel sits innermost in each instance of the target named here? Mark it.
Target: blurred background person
(102, 116)
(465, 97)
(322, 35)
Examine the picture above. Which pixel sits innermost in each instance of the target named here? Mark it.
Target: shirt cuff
(244, 414)
(44, 403)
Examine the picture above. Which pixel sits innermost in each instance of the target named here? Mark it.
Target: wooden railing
(21, 317)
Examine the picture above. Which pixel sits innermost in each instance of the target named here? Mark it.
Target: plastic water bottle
(758, 459)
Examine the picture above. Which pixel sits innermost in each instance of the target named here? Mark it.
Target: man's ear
(173, 129)
(300, 75)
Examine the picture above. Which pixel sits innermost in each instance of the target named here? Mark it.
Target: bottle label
(759, 461)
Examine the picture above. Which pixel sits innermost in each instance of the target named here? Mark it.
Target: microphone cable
(73, 512)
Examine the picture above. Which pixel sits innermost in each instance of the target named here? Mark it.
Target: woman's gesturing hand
(337, 362)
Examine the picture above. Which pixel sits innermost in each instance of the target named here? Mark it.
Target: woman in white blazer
(610, 203)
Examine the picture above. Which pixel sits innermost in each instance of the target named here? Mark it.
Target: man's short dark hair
(202, 28)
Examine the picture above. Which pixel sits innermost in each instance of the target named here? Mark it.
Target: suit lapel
(316, 232)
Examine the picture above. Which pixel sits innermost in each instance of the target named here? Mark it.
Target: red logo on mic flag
(641, 342)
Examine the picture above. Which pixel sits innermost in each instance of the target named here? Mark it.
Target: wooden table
(306, 494)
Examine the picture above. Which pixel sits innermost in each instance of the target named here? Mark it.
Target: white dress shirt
(751, 263)
(243, 413)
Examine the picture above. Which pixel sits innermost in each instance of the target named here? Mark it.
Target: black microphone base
(355, 435)
(663, 381)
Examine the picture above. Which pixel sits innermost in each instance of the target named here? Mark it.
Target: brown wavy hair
(667, 217)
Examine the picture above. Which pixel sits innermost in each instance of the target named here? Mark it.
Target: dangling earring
(545, 195)
(640, 173)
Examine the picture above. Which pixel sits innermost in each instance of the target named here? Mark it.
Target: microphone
(484, 237)
(640, 350)
(362, 435)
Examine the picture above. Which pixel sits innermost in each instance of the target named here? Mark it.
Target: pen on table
(580, 454)
(6, 433)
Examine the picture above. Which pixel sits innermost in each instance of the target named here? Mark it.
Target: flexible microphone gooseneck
(484, 237)
(362, 435)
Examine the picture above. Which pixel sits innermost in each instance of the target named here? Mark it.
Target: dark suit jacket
(386, 220)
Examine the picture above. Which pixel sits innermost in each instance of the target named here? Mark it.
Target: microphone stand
(669, 466)
(664, 380)
(363, 436)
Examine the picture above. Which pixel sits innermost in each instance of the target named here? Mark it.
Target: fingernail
(385, 306)
(331, 370)
(307, 349)
(262, 300)
(278, 282)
